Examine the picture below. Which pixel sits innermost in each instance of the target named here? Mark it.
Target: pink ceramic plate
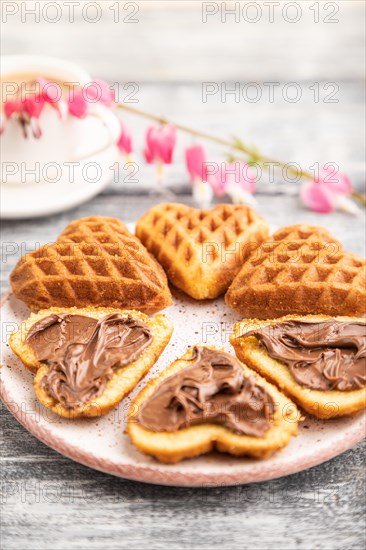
(102, 444)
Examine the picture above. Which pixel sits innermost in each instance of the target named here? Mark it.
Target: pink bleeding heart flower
(328, 192)
(100, 91)
(238, 180)
(52, 95)
(335, 181)
(197, 167)
(33, 106)
(12, 107)
(50, 91)
(317, 197)
(78, 106)
(160, 143)
(125, 140)
(196, 163)
(28, 111)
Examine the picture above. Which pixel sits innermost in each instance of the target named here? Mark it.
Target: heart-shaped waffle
(125, 376)
(201, 250)
(96, 262)
(202, 437)
(303, 270)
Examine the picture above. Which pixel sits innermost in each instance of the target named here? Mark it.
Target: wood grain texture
(49, 501)
(52, 502)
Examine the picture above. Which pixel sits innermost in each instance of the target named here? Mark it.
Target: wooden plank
(52, 502)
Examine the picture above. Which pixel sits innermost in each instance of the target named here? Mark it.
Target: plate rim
(152, 475)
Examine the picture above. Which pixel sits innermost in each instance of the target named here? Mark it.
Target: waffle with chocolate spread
(87, 360)
(209, 400)
(317, 360)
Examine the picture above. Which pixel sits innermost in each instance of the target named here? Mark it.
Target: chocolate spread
(212, 389)
(327, 355)
(81, 352)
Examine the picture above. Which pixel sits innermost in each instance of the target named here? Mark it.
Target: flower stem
(236, 144)
(232, 144)
(359, 197)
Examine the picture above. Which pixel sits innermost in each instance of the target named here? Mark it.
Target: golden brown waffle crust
(321, 404)
(95, 262)
(123, 380)
(301, 270)
(201, 250)
(190, 442)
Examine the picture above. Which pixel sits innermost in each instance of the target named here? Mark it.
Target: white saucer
(45, 198)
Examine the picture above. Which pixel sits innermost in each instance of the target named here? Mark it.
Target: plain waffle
(302, 269)
(96, 262)
(201, 250)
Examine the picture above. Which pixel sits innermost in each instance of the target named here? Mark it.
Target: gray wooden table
(50, 502)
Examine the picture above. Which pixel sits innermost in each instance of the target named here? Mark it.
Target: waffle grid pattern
(95, 261)
(303, 269)
(201, 245)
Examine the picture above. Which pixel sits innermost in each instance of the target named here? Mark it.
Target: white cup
(63, 141)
